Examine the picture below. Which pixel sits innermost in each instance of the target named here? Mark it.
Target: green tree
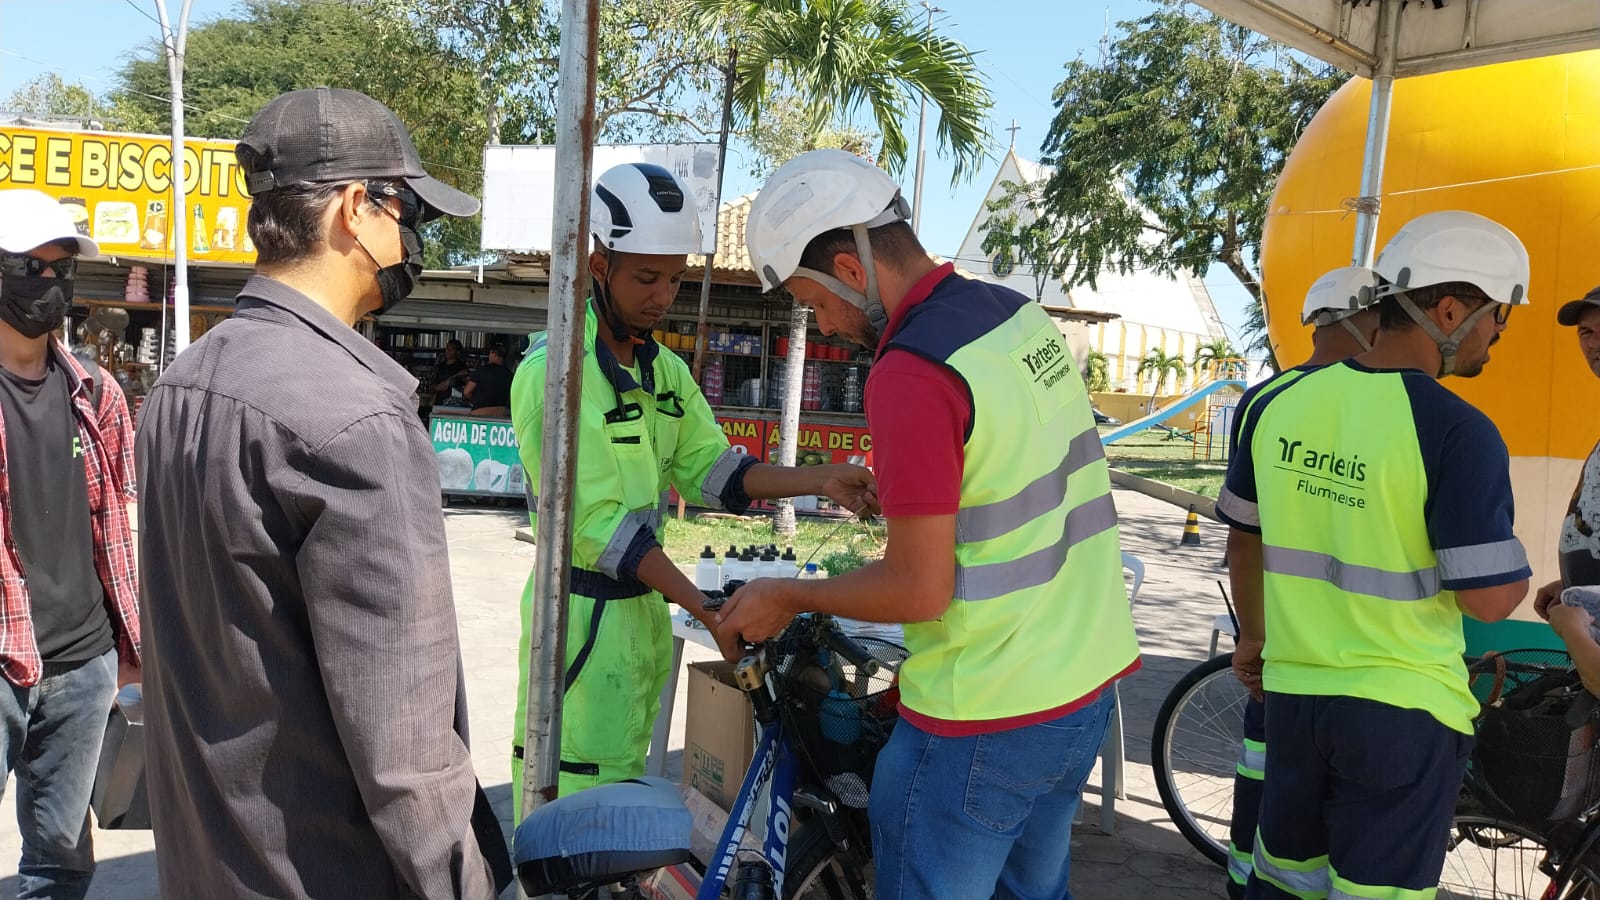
(1212, 351)
(1016, 235)
(850, 56)
(1097, 371)
(650, 63)
(50, 95)
(1159, 364)
(235, 65)
(786, 130)
(1167, 151)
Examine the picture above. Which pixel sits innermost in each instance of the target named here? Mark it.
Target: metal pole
(922, 128)
(575, 134)
(701, 331)
(1368, 204)
(174, 42)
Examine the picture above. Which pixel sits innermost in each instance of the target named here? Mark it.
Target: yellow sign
(119, 189)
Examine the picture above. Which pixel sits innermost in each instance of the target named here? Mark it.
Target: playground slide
(1177, 406)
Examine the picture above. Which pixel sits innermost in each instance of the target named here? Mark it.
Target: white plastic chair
(1112, 750)
(1221, 625)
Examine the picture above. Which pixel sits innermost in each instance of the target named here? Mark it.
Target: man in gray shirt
(304, 698)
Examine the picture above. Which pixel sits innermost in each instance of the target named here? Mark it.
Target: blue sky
(1021, 46)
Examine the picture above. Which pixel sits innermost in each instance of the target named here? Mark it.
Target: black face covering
(396, 282)
(33, 305)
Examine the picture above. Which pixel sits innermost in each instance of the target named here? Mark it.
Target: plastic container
(707, 572)
(813, 572)
(791, 565)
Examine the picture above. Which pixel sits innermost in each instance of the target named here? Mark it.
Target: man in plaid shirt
(69, 620)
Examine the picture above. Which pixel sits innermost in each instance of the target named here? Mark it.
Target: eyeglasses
(1502, 311)
(410, 204)
(21, 265)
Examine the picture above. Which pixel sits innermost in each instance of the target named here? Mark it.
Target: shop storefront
(119, 187)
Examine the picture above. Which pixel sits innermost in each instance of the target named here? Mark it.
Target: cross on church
(1014, 129)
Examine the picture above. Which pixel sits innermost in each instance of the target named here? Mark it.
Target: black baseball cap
(333, 134)
(1573, 310)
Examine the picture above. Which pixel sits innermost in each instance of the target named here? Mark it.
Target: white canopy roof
(1434, 35)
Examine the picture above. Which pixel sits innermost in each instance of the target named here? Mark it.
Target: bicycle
(1491, 851)
(1194, 752)
(1528, 821)
(824, 705)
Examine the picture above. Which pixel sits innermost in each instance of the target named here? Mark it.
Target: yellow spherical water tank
(1517, 142)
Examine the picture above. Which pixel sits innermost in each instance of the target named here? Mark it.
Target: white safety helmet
(1338, 295)
(1454, 246)
(642, 208)
(812, 194)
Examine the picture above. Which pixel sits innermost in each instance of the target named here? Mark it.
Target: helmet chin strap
(872, 301)
(1448, 344)
(1356, 333)
(608, 312)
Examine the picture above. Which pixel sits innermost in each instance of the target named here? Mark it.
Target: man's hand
(852, 487)
(759, 610)
(128, 672)
(1247, 665)
(1569, 621)
(1547, 595)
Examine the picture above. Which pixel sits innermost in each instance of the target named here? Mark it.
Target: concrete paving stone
(1144, 860)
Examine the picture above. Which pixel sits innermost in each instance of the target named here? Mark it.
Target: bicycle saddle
(601, 835)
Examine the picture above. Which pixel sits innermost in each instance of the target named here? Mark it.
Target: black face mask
(396, 282)
(34, 306)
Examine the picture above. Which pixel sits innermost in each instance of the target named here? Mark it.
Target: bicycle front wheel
(822, 872)
(1195, 753)
(1489, 859)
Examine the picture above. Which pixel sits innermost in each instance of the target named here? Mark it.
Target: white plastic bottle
(707, 573)
(730, 566)
(769, 565)
(789, 566)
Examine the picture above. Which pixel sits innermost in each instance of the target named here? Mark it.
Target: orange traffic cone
(1191, 529)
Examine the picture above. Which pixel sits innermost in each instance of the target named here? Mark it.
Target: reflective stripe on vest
(1419, 585)
(991, 520)
(1041, 566)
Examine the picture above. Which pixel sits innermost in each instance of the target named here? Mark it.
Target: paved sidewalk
(1145, 859)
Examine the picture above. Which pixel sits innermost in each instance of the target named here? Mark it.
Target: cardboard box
(719, 741)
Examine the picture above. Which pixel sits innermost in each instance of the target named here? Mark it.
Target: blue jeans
(50, 737)
(968, 818)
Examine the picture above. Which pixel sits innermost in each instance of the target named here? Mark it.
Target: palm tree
(1097, 371)
(1160, 364)
(841, 56)
(1212, 351)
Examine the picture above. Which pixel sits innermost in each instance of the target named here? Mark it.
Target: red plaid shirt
(107, 436)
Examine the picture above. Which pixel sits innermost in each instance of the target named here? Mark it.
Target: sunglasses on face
(410, 204)
(21, 265)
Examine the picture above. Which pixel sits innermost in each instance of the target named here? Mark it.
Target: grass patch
(1163, 457)
(685, 538)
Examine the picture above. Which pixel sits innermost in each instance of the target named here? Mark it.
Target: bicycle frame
(774, 761)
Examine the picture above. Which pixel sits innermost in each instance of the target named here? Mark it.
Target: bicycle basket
(839, 715)
(1535, 755)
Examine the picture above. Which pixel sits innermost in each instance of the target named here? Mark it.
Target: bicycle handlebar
(831, 636)
(842, 644)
